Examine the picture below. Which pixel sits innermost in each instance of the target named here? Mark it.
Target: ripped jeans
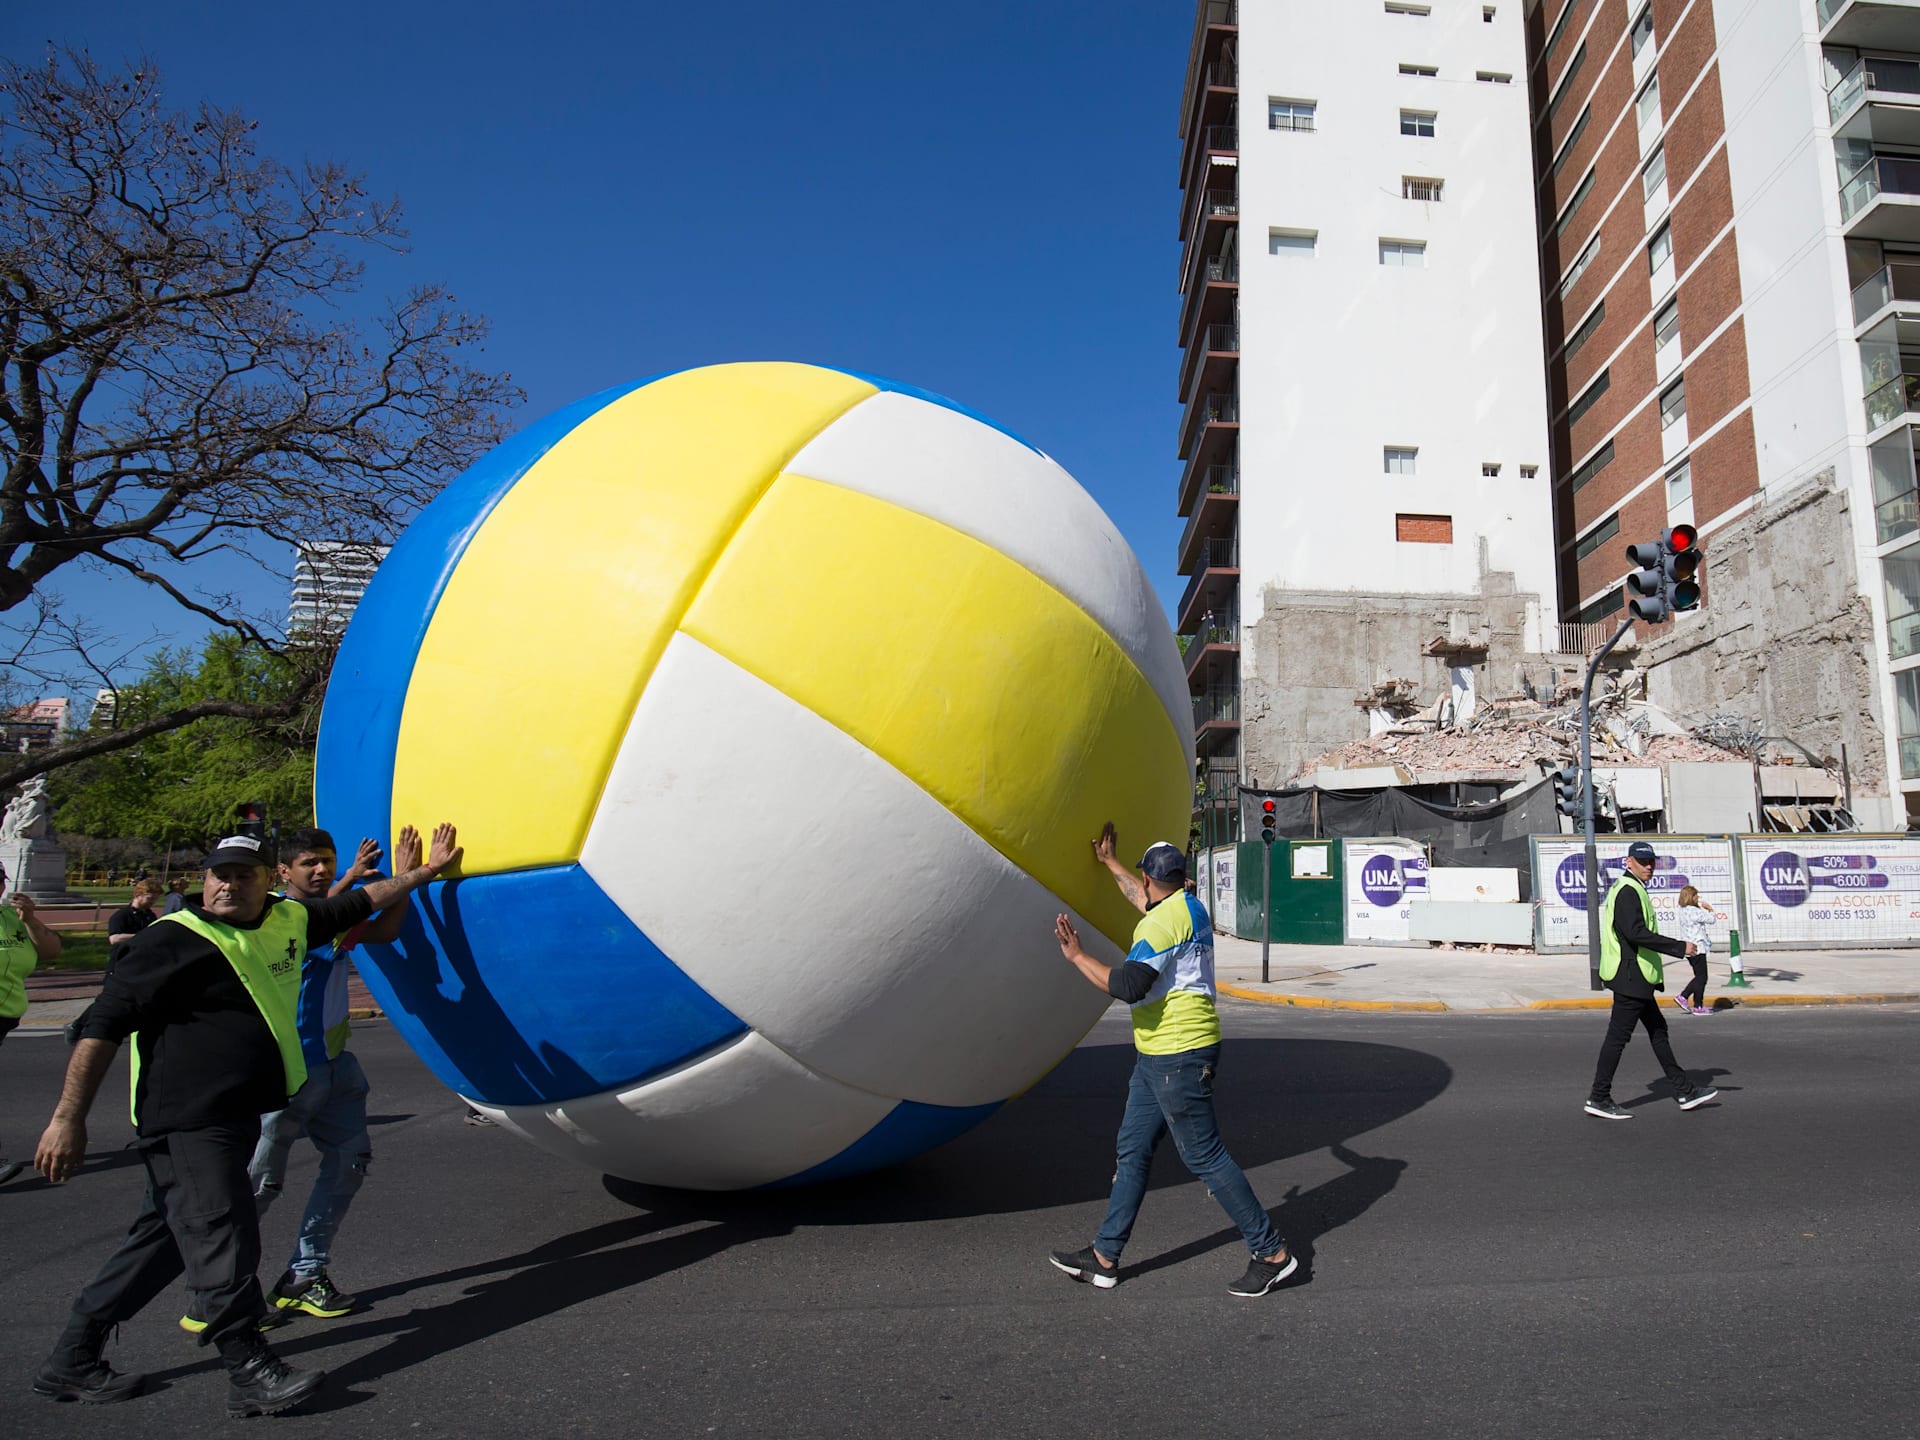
(331, 1108)
(1174, 1094)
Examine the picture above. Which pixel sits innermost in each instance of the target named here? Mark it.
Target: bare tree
(190, 367)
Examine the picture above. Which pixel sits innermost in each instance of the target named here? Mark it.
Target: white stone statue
(28, 813)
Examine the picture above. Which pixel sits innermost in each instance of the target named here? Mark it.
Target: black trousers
(1696, 988)
(1628, 1011)
(198, 1218)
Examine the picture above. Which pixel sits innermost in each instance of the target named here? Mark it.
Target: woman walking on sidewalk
(1695, 922)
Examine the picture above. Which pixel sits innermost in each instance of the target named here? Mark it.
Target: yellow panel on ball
(975, 678)
(562, 602)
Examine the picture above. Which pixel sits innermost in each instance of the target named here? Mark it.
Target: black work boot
(259, 1382)
(75, 1370)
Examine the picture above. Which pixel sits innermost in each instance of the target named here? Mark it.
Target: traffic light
(1663, 580)
(1268, 818)
(1681, 557)
(1566, 790)
(250, 818)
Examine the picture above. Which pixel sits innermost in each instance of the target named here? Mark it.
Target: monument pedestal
(37, 866)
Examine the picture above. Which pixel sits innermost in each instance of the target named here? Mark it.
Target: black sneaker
(10, 1168)
(317, 1296)
(97, 1384)
(1694, 1096)
(474, 1117)
(261, 1383)
(1262, 1276)
(1084, 1265)
(1607, 1110)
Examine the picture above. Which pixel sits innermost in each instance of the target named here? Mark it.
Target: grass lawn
(80, 950)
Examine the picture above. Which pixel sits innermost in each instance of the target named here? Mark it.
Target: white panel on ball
(952, 468)
(826, 899)
(744, 1115)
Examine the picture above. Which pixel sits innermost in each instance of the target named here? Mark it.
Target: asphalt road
(1483, 1259)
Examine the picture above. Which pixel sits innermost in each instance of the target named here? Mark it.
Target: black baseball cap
(1643, 852)
(1164, 862)
(238, 850)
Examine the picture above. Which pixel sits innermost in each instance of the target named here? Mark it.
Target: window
(1418, 187)
(1673, 404)
(1906, 695)
(1559, 29)
(1579, 266)
(1642, 30)
(1397, 7)
(1680, 485)
(1666, 325)
(1417, 122)
(1579, 198)
(1489, 469)
(1588, 398)
(1573, 139)
(1660, 248)
(1528, 472)
(1298, 244)
(1598, 536)
(1425, 72)
(1566, 81)
(1602, 458)
(1423, 529)
(1406, 254)
(1902, 572)
(1486, 14)
(1587, 326)
(1290, 114)
(1646, 107)
(1653, 175)
(1607, 604)
(1492, 77)
(1399, 461)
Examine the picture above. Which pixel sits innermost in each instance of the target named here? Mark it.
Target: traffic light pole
(1266, 905)
(1586, 805)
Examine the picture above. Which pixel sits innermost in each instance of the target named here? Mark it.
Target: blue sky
(979, 199)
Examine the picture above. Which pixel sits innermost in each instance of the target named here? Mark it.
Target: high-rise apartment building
(1726, 215)
(1364, 441)
(329, 577)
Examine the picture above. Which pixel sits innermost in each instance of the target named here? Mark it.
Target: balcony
(1216, 514)
(1870, 24)
(1896, 484)
(1893, 285)
(1876, 100)
(1212, 103)
(1217, 454)
(1219, 212)
(1212, 292)
(1209, 145)
(1205, 412)
(1216, 716)
(1881, 200)
(1214, 587)
(1213, 653)
(1210, 358)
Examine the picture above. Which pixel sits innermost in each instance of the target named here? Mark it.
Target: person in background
(25, 941)
(176, 896)
(1696, 928)
(133, 917)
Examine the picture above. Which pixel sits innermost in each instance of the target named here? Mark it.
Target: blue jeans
(1174, 1093)
(332, 1109)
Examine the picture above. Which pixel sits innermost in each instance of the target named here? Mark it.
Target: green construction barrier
(1308, 885)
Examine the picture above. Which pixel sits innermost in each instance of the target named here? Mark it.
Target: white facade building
(329, 577)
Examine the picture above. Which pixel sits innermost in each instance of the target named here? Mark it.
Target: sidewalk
(1378, 977)
(55, 996)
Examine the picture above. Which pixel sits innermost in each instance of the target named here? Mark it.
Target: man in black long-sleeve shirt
(209, 996)
(1630, 949)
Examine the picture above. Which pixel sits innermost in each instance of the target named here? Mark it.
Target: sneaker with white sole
(1694, 1096)
(1262, 1276)
(1607, 1110)
(1084, 1265)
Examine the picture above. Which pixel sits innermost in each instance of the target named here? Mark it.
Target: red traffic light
(1268, 806)
(1681, 537)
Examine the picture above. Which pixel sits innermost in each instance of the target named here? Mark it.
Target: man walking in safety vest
(209, 995)
(1630, 949)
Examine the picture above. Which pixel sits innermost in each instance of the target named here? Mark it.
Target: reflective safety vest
(267, 959)
(1650, 962)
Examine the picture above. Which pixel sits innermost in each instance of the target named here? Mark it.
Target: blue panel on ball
(909, 1129)
(533, 987)
(360, 724)
(880, 382)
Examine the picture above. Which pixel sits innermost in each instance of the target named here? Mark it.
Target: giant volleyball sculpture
(777, 706)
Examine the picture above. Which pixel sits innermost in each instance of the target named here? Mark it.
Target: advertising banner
(1214, 882)
(1560, 867)
(1383, 878)
(1807, 890)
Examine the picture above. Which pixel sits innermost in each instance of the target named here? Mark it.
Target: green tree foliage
(178, 789)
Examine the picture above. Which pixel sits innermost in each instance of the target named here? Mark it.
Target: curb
(1324, 1002)
(366, 1012)
(1429, 1007)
